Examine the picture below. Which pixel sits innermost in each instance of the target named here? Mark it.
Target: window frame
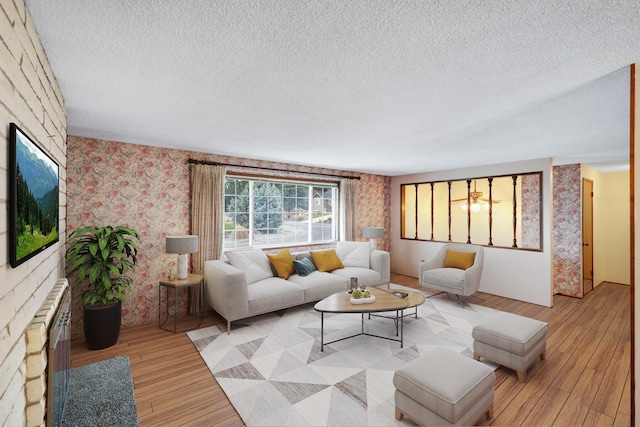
(310, 184)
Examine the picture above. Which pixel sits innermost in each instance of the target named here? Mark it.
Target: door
(587, 235)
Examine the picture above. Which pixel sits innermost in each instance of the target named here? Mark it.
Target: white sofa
(245, 284)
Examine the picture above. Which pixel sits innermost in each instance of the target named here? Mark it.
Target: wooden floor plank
(585, 379)
(573, 413)
(545, 412)
(611, 390)
(597, 419)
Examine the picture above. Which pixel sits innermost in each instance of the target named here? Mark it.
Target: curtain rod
(206, 162)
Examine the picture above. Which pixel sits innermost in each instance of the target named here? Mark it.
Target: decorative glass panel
(503, 211)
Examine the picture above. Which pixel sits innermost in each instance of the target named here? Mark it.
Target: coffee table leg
(396, 320)
(322, 331)
(402, 330)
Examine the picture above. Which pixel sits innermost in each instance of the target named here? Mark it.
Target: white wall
(30, 97)
(516, 274)
(616, 255)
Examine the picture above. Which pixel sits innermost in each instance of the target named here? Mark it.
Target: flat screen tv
(33, 198)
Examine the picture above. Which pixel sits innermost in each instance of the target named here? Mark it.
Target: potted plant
(101, 257)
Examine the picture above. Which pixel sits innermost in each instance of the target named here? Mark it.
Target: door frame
(587, 205)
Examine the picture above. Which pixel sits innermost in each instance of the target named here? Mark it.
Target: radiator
(59, 362)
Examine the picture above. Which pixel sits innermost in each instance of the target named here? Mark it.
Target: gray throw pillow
(304, 267)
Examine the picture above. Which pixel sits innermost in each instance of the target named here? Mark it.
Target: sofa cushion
(354, 254)
(318, 285)
(253, 262)
(273, 294)
(461, 260)
(283, 263)
(326, 260)
(304, 267)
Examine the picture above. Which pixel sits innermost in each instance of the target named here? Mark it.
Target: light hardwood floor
(585, 379)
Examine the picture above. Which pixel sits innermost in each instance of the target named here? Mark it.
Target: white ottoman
(510, 340)
(443, 387)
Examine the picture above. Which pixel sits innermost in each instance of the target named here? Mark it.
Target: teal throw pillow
(304, 267)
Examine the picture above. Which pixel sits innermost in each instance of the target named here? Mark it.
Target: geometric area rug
(273, 372)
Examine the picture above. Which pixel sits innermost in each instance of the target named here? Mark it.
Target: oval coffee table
(385, 301)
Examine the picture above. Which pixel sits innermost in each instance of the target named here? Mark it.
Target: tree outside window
(266, 213)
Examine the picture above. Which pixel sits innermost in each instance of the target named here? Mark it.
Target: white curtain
(207, 212)
(348, 192)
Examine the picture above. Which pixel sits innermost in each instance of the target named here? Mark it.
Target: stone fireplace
(37, 355)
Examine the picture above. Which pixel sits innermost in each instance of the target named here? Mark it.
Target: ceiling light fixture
(476, 199)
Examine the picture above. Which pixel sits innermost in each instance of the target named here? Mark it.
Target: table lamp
(373, 233)
(183, 246)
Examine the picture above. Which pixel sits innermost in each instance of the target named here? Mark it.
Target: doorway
(587, 236)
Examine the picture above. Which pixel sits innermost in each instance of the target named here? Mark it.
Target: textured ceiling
(388, 87)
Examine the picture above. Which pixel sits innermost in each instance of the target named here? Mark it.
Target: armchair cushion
(461, 260)
(452, 278)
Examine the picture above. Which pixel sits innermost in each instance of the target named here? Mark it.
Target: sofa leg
(399, 414)
(228, 327)
(460, 300)
(489, 412)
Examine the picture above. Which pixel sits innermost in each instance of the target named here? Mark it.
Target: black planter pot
(102, 324)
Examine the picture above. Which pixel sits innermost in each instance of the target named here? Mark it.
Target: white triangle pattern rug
(273, 372)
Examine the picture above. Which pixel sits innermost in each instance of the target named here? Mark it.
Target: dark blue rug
(101, 394)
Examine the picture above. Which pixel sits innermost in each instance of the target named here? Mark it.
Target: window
(263, 212)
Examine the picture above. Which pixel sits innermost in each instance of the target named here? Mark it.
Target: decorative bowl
(369, 300)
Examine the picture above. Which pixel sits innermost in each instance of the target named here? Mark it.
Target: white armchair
(458, 281)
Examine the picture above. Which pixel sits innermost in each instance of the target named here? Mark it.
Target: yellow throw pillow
(326, 260)
(283, 263)
(462, 260)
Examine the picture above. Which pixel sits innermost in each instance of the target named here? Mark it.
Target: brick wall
(30, 97)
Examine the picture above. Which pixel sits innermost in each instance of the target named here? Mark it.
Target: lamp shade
(182, 244)
(373, 232)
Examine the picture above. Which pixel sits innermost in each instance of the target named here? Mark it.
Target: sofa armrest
(473, 275)
(226, 289)
(380, 261)
(430, 264)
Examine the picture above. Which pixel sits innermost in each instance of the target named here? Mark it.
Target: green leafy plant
(100, 257)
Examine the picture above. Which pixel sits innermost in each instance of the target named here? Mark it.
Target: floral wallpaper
(147, 188)
(530, 212)
(567, 231)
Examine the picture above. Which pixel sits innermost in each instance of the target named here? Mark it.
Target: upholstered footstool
(510, 340)
(443, 387)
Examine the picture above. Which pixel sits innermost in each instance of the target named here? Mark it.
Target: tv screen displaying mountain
(34, 198)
